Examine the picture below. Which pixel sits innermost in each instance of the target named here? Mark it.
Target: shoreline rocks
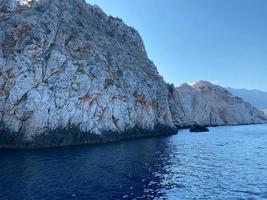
(74, 137)
(198, 128)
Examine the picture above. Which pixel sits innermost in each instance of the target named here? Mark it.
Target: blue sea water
(226, 163)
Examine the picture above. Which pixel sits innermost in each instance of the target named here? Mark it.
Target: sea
(225, 163)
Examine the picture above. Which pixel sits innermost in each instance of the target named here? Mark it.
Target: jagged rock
(72, 75)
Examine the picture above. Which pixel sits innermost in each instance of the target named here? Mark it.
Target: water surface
(226, 163)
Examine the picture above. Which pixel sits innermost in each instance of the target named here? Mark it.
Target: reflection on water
(226, 163)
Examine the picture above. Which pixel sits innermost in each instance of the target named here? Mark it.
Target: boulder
(198, 128)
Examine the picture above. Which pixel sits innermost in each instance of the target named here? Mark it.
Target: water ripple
(228, 163)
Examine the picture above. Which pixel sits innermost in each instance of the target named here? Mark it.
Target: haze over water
(226, 163)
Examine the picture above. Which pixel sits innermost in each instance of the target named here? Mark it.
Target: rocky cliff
(66, 65)
(208, 104)
(70, 74)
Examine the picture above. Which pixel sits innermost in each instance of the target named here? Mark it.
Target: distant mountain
(256, 97)
(212, 105)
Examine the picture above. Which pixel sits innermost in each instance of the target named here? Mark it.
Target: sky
(222, 41)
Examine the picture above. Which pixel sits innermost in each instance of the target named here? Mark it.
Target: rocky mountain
(70, 74)
(208, 104)
(256, 97)
(66, 65)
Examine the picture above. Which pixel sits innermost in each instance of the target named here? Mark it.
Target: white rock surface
(67, 65)
(207, 104)
(8, 5)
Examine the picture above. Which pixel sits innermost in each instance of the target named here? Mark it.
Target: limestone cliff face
(66, 65)
(208, 104)
(70, 74)
(8, 5)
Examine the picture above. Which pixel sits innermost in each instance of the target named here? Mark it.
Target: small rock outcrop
(198, 128)
(70, 74)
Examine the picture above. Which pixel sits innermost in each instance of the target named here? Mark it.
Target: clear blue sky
(223, 41)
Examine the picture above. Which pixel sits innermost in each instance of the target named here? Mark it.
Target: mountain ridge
(213, 105)
(257, 98)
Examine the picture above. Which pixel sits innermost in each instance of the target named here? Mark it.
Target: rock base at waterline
(73, 137)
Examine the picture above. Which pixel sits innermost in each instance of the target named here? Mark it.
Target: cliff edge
(70, 74)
